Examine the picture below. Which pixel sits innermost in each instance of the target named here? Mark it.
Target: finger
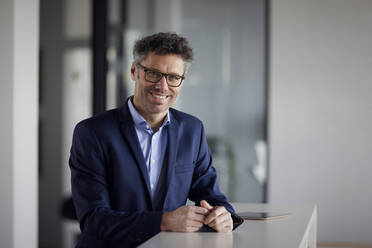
(217, 211)
(192, 223)
(225, 229)
(221, 222)
(196, 213)
(222, 228)
(221, 210)
(210, 218)
(225, 225)
(205, 204)
(196, 217)
(191, 229)
(219, 219)
(199, 210)
(228, 227)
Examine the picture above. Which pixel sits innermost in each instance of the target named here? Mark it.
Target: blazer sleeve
(204, 183)
(92, 199)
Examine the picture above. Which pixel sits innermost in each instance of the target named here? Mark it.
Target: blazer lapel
(130, 136)
(173, 130)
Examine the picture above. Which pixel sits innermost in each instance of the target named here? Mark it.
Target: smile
(159, 96)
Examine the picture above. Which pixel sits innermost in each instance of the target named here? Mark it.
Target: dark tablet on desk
(261, 215)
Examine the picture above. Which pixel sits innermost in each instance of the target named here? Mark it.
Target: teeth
(158, 96)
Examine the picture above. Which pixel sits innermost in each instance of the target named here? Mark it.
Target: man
(133, 168)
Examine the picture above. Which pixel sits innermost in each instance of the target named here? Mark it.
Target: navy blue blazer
(110, 183)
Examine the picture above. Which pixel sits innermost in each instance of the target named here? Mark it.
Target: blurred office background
(85, 54)
(283, 88)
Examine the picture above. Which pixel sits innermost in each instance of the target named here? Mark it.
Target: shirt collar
(139, 121)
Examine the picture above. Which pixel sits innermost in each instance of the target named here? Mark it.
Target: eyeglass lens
(154, 76)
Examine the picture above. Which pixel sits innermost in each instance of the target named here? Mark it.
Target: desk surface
(296, 230)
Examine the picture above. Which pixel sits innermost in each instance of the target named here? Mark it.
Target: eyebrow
(171, 73)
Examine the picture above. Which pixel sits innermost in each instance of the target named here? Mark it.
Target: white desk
(293, 231)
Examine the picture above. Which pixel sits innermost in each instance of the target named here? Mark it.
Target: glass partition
(225, 87)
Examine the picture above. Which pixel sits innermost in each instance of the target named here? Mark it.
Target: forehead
(168, 63)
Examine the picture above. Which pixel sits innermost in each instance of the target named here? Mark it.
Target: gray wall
(18, 133)
(321, 112)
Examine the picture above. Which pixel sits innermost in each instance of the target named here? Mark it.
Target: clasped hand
(192, 218)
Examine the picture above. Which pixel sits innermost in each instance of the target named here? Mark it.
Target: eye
(174, 78)
(153, 73)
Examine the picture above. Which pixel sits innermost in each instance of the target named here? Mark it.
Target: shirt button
(152, 186)
(147, 126)
(153, 160)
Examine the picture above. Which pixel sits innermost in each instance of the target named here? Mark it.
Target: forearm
(135, 227)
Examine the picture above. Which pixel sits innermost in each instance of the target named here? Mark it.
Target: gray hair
(163, 44)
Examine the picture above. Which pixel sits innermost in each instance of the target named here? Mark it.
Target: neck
(155, 120)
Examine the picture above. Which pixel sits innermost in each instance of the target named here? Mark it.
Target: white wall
(321, 112)
(6, 124)
(19, 30)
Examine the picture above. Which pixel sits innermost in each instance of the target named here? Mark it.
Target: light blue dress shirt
(153, 144)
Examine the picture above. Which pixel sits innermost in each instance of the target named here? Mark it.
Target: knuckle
(188, 215)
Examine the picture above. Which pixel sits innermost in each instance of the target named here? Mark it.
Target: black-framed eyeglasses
(152, 76)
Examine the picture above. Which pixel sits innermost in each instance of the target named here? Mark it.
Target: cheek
(147, 89)
(176, 93)
(142, 87)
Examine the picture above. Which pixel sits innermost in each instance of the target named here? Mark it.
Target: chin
(160, 107)
(158, 110)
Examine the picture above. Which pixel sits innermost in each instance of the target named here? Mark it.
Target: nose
(162, 84)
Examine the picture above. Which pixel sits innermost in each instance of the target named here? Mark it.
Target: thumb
(205, 204)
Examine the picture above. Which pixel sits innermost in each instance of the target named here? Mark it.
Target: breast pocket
(183, 168)
(179, 188)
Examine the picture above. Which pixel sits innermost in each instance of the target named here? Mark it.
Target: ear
(133, 71)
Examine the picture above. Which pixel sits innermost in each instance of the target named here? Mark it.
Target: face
(156, 98)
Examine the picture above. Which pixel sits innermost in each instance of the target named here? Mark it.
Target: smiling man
(133, 168)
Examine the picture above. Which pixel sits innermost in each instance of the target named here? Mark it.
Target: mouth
(159, 96)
